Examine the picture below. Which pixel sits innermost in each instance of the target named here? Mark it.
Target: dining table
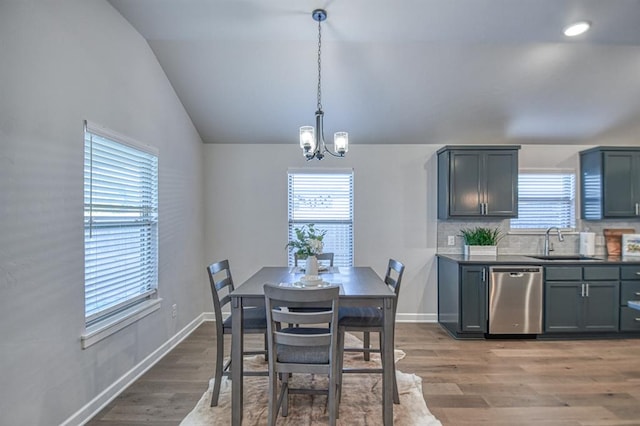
(359, 286)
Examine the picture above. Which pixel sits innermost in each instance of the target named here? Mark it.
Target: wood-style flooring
(465, 382)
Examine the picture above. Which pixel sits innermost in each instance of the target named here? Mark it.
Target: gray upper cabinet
(610, 183)
(478, 181)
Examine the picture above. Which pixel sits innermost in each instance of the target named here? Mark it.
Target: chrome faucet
(547, 245)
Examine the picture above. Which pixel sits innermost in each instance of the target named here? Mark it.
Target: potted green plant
(307, 245)
(481, 240)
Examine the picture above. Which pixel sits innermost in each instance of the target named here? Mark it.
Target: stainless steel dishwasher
(515, 300)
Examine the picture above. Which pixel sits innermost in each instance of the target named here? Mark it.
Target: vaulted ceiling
(403, 71)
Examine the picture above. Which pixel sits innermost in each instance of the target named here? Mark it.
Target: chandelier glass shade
(312, 138)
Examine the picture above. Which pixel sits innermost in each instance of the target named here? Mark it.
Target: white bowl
(311, 280)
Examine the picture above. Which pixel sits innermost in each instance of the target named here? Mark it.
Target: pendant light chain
(319, 66)
(312, 139)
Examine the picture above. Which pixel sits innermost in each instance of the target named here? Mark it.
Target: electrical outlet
(174, 310)
(451, 240)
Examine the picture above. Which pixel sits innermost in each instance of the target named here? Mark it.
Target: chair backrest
(221, 285)
(393, 277)
(320, 257)
(311, 333)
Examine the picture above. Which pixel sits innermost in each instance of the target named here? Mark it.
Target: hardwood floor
(470, 382)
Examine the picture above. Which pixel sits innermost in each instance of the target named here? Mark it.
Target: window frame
(574, 201)
(122, 173)
(340, 258)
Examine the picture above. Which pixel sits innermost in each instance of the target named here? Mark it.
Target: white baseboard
(416, 317)
(94, 406)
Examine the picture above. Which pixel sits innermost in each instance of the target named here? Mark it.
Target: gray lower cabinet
(629, 290)
(610, 183)
(478, 181)
(462, 298)
(582, 299)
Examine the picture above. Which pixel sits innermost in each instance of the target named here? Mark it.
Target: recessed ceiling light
(577, 28)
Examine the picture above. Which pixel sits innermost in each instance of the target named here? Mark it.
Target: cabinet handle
(582, 290)
(485, 208)
(637, 319)
(637, 293)
(638, 273)
(637, 209)
(587, 292)
(484, 275)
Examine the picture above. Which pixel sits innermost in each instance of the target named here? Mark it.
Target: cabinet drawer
(630, 272)
(563, 273)
(601, 272)
(629, 290)
(629, 319)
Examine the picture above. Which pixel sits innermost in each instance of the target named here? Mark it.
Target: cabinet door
(473, 298)
(465, 188)
(620, 183)
(563, 306)
(601, 306)
(501, 183)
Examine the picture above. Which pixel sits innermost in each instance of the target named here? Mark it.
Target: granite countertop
(522, 259)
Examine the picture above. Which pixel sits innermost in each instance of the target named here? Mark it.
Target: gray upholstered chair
(367, 320)
(254, 322)
(321, 257)
(310, 348)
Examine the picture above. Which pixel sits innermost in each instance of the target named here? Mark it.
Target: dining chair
(310, 348)
(320, 257)
(367, 320)
(254, 322)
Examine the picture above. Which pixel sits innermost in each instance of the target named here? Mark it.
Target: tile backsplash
(521, 243)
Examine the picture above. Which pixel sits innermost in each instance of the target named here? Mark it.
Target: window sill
(115, 323)
(515, 231)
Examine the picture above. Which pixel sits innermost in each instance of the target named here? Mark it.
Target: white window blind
(546, 199)
(120, 222)
(326, 200)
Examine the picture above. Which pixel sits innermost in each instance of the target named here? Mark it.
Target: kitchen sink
(565, 257)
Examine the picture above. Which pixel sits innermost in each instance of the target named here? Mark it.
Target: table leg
(387, 367)
(237, 364)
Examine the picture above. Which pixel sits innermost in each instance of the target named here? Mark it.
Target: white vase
(311, 266)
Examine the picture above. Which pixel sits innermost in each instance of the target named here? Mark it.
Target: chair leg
(273, 397)
(266, 347)
(333, 401)
(285, 395)
(340, 361)
(366, 345)
(218, 374)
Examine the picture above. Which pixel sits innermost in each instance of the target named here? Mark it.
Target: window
(120, 223)
(324, 198)
(546, 199)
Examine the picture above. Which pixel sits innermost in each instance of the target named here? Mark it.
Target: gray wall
(63, 62)
(395, 214)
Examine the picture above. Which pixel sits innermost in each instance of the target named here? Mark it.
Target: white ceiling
(403, 71)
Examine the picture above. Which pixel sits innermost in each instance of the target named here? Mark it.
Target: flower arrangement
(308, 242)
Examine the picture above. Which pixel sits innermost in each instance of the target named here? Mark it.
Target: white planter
(480, 250)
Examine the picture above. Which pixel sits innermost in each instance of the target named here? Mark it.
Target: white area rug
(360, 405)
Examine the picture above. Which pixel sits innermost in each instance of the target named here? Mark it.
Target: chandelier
(312, 140)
